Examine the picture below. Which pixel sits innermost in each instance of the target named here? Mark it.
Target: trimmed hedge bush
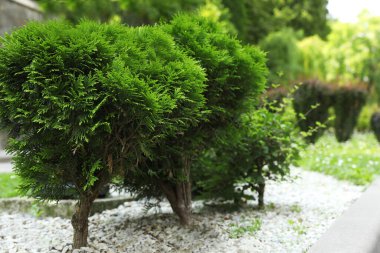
(311, 103)
(348, 102)
(85, 103)
(235, 78)
(375, 125)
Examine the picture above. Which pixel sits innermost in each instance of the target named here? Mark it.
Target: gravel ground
(296, 215)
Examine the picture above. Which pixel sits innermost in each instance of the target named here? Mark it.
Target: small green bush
(262, 146)
(348, 102)
(85, 103)
(311, 103)
(364, 120)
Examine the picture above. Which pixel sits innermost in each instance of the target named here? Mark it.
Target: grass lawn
(8, 185)
(357, 160)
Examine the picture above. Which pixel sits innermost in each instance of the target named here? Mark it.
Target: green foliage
(314, 56)
(364, 120)
(311, 103)
(235, 76)
(351, 53)
(297, 226)
(356, 160)
(132, 12)
(283, 56)
(255, 19)
(375, 124)
(348, 102)
(274, 96)
(9, 185)
(235, 73)
(238, 230)
(261, 146)
(105, 93)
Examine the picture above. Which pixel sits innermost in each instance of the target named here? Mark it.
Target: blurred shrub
(313, 58)
(283, 55)
(348, 102)
(261, 146)
(375, 124)
(364, 120)
(273, 97)
(311, 103)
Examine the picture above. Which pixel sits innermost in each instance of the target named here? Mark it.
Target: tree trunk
(179, 197)
(261, 190)
(79, 222)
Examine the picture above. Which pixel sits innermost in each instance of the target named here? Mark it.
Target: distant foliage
(252, 19)
(375, 124)
(314, 58)
(311, 103)
(283, 56)
(132, 12)
(348, 103)
(255, 19)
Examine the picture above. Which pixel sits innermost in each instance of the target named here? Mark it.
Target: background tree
(283, 56)
(85, 103)
(253, 19)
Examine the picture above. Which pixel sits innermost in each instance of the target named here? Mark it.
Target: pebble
(298, 212)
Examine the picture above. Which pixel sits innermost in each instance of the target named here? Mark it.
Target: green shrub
(262, 146)
(375, 124)
(235, 75)
(311, 103)
(348, 102)
(83, 103)
(274, 97)
(364, 120)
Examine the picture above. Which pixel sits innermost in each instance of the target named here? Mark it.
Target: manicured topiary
(348, 102)
(235, 76)
(311, 102)
(84, 104)
(274, 97)
(375, 124)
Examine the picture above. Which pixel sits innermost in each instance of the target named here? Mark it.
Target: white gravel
(297, 214)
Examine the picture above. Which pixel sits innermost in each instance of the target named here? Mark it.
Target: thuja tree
(83, 103)
(348, 103)
(262, 145)
(234, 75)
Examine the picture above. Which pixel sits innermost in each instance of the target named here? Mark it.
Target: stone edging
(64, 208)
(358, 229)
